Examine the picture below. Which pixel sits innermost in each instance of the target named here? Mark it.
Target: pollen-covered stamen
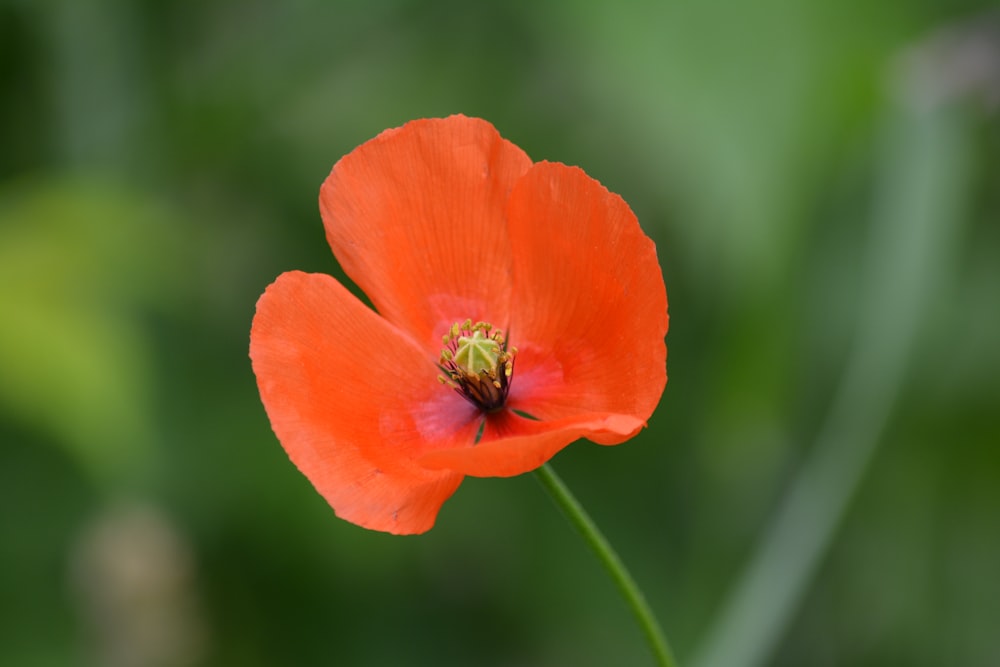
(477, 363)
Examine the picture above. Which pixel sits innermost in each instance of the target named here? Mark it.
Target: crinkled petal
(353, 401)
(512, 445)
(416, 219)
(590, 310)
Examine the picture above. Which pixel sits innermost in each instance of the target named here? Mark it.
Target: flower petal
(416, 218)
(353, 401)
(512, 445)
(590, 307)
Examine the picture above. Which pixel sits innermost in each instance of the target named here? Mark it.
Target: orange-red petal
(590, 307)
(416, 218)
(353, 401)
(512, 445)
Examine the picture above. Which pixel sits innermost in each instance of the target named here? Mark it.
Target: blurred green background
(820, 485)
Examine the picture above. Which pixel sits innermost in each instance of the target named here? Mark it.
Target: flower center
(477, 364)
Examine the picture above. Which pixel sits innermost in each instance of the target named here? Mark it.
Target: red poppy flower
(519, 307)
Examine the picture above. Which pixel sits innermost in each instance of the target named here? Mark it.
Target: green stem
(612, 563)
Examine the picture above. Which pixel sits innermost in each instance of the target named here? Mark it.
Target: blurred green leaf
(79, 264)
